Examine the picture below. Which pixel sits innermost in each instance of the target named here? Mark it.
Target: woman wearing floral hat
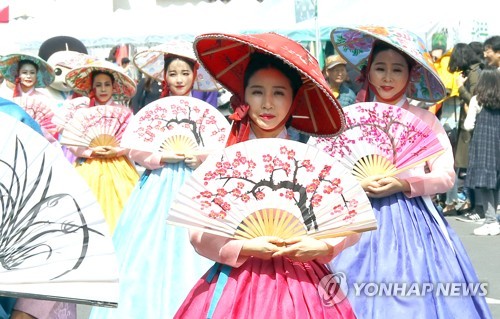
(106, 168)
(28, 73)
(275, 82)
(414, 255)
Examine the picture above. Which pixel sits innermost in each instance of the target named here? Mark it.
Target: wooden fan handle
(415, 164)
(345, 233)
(104, 140)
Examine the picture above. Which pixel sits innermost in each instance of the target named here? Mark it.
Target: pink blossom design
(236, 177)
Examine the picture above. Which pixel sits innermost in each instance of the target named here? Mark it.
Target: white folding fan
(181, 124)
(272, 187)
(55, 243)
(381, 139)
(101, 125)
(39, 108)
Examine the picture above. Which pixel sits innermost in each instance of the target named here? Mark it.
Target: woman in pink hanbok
(27, 73)
(273, 79)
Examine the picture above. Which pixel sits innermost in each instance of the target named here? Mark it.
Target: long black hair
(24, 62)
(462, 58)
(381, 46)
(488, 88)
(259, 61)
(169, 58)
(95, 73)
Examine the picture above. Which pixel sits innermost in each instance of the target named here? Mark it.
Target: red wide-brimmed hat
(226, 56)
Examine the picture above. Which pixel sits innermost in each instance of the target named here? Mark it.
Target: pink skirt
(276, 288)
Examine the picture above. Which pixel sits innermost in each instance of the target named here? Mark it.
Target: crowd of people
(461, 68)
(167, 271)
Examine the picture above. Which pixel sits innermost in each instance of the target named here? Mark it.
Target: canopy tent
(143, 26)
(422, 21)
(148, 25)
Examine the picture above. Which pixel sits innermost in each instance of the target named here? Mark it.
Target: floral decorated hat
(80, 79)
(152, 63)
(9, 67)
(70, 59)
(355, 45)
(226, 56)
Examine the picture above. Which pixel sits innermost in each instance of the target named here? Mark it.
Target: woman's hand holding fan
(272, 187)
(105, 151)
(172, 157)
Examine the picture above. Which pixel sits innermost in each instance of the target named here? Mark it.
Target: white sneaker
(492, 229)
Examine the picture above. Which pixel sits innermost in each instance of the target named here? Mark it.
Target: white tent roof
(93, 21)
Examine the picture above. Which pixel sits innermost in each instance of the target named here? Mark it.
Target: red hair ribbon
(92, 98)
(164, 87)
(17, 87)
(240, 129)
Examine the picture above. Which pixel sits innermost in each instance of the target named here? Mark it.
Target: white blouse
(474, 109)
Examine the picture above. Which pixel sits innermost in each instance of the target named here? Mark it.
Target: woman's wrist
(405, 186)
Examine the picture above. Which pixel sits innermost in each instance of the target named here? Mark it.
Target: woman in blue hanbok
(158, 265)
(408, 266)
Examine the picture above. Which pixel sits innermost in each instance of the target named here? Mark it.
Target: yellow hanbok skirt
(112, 181)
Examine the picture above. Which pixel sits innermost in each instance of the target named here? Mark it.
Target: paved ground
(484, 253)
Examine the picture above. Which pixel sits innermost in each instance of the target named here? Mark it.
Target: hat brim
(332, 65)
(355, 45)
(9, 67)
(226, 56)
(152, 63)
(70, 59)
(80, 80)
